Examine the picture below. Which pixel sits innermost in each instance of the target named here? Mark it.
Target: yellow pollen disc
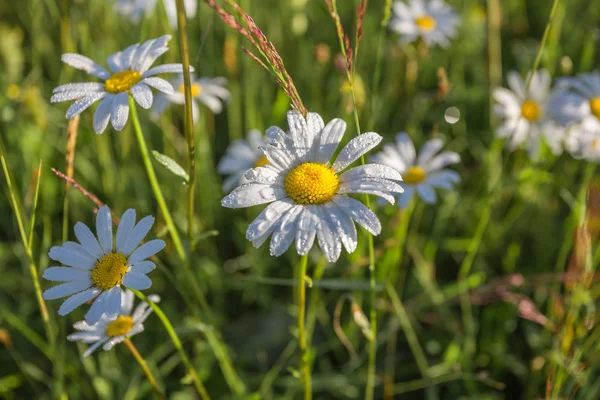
(109, 271)
(311, 183)
(120, 326)
(196, 89)
(414, 175)
(261, 162)
(530, 110)
(425, 23)
(595, 106)
(122, 81)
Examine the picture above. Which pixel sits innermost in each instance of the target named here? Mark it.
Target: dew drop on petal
(271, 214)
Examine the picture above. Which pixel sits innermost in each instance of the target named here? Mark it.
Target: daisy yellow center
(595, 106)
(122, 81)
(311, 183)
(530, 110)
(109, 271)
(196, 89)
(261, 162)
(425, 23)
(120, 326)
(414, 175)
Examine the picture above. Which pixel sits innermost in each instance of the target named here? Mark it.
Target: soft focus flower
(109, 333)
(240, 156)
(422, 174)
(307, 194)
(131, 74)
(524, 114)
(209, 91)
(136, 9)
(434, 21)
(584, 142)
(95, 269)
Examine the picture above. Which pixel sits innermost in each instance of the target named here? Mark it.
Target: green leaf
(171, 165)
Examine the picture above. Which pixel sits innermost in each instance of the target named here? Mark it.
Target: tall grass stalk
(304, 362)
(142, 362)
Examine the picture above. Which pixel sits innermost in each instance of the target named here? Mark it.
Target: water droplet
(266, 193)
(271, 214)
(262, 226)
(452, 115)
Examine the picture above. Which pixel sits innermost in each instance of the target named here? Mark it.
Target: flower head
(109, 333)
(434, 21)
(307, 193)
(131, 74)
(524, 113)
(95, 269)
(584, 142)
(422, 174)
(209, 91)
(240, 156)
(136, 9)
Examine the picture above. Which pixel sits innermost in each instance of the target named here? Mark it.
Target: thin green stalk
(538, 56)
(304, 364)
(411, 336)
(494, 13)
(177, 343)
(138, 357)
(34, 208)
(154, 181)
(189, 120)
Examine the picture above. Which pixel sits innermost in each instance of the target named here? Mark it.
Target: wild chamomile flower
(95, 269)
(584, 142)
(240, 156)
(434, 21)
(109, 333)
(209, 91)
(307, 194)
(131, 74)
(524, 114)
(422, 174)
(136, 9)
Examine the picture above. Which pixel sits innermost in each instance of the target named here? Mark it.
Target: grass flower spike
(209, 91)
(422, 174)
(107, 333)
(240, 156)
(307, 194)
(131, 74)
(434, 21)
(95, 269)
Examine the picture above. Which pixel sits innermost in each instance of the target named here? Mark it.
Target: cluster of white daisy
(566, 117)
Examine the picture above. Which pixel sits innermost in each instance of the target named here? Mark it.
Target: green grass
(443, 329)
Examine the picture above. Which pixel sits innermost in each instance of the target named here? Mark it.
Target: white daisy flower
(584, 142)
(136, 9)
(209, 91)
(307, 194)
(524, 113)
(422, 174)
(109, 333)
(95, 269)
(240, 156)
(131, 75)
(434, 21)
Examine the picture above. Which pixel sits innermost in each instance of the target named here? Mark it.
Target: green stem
(538, 56)
(304, 364)
(154, 181)
(177, 343)
(138, 357)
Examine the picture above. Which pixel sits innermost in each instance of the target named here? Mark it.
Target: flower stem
(304, 365)
(154, 181)
(177, 342)
(138, 357)
(189, 117)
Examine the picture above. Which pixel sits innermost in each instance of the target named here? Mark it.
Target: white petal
(88, 240)
(85, 87)
(267, 176)
(85, 64)
(104, 229)
(359, 213)
(301, 137)
(127, 302)
(329, 242)
(329, 139)
(76, 300)
(126, 225)
(94, 347)
(113, 302)
(344, 226)
(102, 114)
(97, 309)
(143, 267)
(84, 337)
(137, 234)
(71, 258)
(441, 160)
(82, 104)
(159, 84)
(266, 221)
(285, 231)
(120, 111)
(165, 69)
(371, 171)
(355, 149)
(444, 179)
(431, 148)
(65, 274)
(378, 187)
(516, 84)
(427, 193)
(66, 289)
(142, 94)
(405, 198)
(80, 251)
(252, 194)
(406, 148)
(146, 250)
(306, 229)
(136, 281)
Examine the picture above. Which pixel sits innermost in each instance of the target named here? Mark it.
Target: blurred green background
(510, 219)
